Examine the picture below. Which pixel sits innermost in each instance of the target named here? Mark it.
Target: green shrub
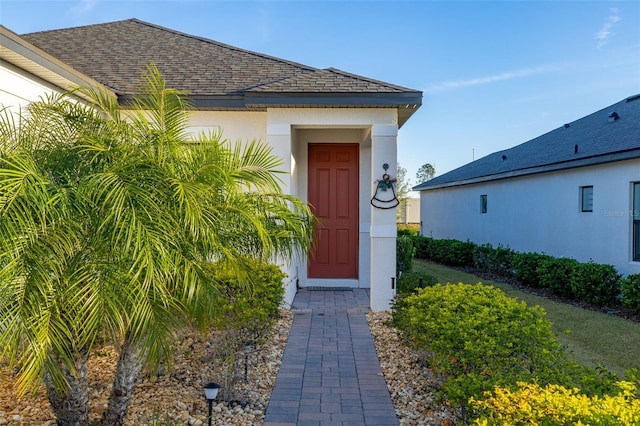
(404, 254)
(451, 252)
(421, 244)
(408, 282)
(631, 292)
(252, 296)
(595, 283)
(244, 314)
(525, 266)
(482, 257)
(555, 274)
(497, 260)
(479, 338)
(408, 229)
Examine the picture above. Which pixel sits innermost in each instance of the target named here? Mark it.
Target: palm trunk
(72, 407)
(128, 369)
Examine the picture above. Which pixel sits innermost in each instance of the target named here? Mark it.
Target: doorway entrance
(333, 182)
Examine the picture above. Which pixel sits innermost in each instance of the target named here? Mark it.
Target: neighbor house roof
(611, 134)
(215, 75)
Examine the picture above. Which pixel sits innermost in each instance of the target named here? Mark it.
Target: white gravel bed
(411, 384)
(177, 397)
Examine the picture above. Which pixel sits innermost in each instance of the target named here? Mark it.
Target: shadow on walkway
(330, 374)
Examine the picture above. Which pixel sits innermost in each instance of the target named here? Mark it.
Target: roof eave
(406, 102)
(344, 99)
(24, 55)
(203, 102)
(583, 162)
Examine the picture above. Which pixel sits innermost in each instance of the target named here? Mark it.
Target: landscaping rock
(412, 386)
(176, 397)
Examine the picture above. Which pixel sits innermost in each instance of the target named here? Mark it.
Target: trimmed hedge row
(594, 283)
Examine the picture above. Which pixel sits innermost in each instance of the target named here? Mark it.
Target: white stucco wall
(235, 126)
(289, 131)
(541, 213)
(18, 88)
(27, 73)
(309, 125)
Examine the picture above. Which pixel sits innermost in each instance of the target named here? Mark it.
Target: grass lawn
(591, 337)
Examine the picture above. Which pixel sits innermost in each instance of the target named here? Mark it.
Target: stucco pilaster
(383, 230)
(279, 139)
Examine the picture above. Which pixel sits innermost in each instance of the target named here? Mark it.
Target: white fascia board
(24, 55)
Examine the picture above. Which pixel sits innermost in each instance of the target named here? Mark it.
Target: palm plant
(108, 218)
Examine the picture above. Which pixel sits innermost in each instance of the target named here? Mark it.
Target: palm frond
(109, 217)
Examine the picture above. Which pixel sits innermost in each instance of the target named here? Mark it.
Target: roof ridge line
(75, 27)
(192, 36)
(223, 45)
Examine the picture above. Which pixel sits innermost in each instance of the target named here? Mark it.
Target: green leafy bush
(598, 284)
(482, 257)
(408, 229)
(497, 260)
(404, 254)
(479, 338)
(408, 282)
(555, 274)
(421, 245)
(451, 252)
(502, 261)
(525, 266)
(244, 314)
(631, 292)
(251, 297)
(595, 283)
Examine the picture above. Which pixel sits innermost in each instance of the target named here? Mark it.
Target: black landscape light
(210, 392)
(247, 351)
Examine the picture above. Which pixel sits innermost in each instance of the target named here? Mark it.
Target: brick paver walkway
(330, 374)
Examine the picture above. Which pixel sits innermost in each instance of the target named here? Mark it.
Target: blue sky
(494, 73)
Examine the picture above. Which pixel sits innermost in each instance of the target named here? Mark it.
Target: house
(334, 130)
(27, 72)
(572, 192)
(409, 211)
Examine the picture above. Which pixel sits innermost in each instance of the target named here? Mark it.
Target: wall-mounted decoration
(384, 196)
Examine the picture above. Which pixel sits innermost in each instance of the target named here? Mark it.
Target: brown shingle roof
(330, 81)
(214, 74)
(116, 53)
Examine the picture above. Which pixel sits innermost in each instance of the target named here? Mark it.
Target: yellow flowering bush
(531, 404)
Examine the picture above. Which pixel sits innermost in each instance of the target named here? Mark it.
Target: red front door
(333, 195)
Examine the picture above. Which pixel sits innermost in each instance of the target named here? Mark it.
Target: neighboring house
(333, 130)
(409, 211)
(573, 192)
